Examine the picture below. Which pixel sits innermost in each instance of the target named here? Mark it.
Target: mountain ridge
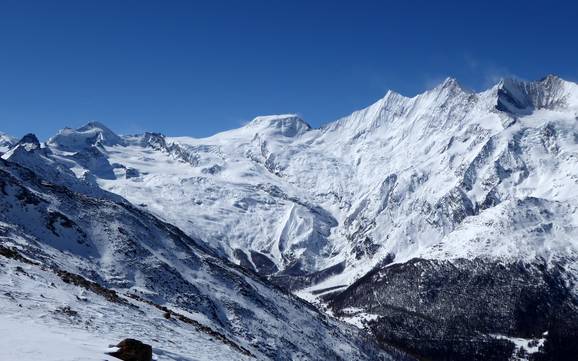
(450, 103)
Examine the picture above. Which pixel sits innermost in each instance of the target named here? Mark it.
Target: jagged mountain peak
(447, 92)
(452, 84)
(154, 140)
(95, 125)
(552, 78)
(91, 134)
(449, 83)
(449, 104)
(391, 95)
(449, 87)
(29, 142)
(448, 96)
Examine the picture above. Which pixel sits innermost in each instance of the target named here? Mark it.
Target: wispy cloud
(485, 74)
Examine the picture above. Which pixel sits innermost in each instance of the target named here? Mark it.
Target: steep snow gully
(442, 226)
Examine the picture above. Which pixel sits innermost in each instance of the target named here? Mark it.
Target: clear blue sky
(198, 67)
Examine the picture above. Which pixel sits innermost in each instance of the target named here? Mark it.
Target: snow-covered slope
(72, 261)
(44, 318)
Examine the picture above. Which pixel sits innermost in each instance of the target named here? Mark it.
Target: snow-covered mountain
(450, 183)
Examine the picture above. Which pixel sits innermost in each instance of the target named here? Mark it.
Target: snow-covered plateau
(445, 225)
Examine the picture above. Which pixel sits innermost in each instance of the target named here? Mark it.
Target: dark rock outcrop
(30, 141)
(133, 350)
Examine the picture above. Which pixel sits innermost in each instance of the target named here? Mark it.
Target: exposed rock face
(29, 141)
(449, 310)
(133, 350)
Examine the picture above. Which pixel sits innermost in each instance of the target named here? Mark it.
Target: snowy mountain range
(444, 224)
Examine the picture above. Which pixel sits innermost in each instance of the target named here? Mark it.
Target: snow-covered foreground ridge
(471, 183)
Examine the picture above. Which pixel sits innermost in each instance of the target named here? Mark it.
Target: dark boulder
(133, 350)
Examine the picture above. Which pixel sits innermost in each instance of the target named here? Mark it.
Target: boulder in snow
(133, 350)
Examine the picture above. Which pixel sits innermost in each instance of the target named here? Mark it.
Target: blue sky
(199, 67)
